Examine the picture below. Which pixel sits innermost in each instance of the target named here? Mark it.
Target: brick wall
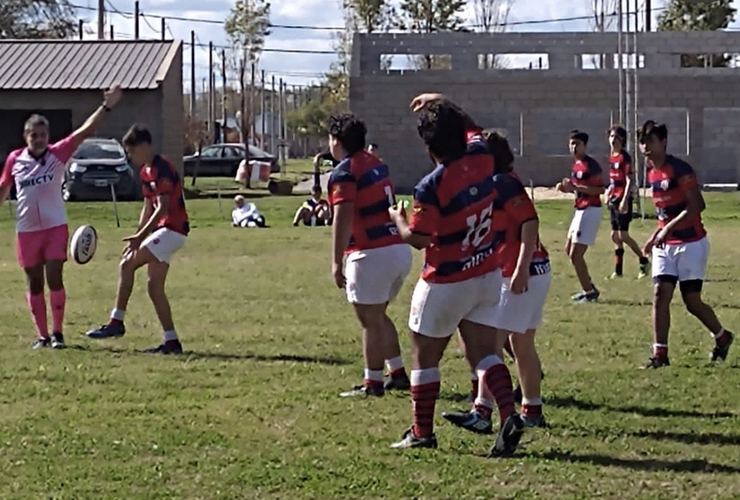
(537, 108)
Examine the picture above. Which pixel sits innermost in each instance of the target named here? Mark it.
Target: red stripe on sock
(424, 399)
(498, 380)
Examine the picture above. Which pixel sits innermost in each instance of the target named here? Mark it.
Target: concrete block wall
(701, 106)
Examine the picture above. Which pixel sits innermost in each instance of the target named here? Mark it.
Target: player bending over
(460, 283)
(679, 246)
(587, 183)
(526, 282)
(41, 220)
(163, 229)
(620, 190)
(368, 251)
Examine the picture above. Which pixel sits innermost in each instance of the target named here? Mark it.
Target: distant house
(63, 80)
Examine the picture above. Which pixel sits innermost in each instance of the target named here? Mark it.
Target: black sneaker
(535, 422)
(364, 391)
(167, 347)
(108, 331)
(720, 351)
(397, 383)
(40, 343)
(410, 441)
(57, 341)
(508, 437)
(469, 420)
(592, 296)
(656, 362)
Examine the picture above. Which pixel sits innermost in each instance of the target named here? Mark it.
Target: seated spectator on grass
(246, 214)
(314, 211)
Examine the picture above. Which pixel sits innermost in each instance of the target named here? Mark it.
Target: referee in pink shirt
(41, 220)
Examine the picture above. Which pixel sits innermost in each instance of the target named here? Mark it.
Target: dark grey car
(94, 167)
(222, 160)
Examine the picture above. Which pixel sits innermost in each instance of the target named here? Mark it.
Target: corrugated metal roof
(82, 65)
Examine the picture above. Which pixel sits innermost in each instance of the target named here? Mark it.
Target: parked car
(94, 167)
(222, 160)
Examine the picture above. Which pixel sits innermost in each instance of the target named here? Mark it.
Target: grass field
(252, 410)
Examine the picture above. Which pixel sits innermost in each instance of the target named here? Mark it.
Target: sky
(295, 69)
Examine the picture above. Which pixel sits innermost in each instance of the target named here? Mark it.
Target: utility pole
(101, 19)
(211, 124)
(193, 91)
(223, 86)
(272, 117)
(81, 27)
(112, 32)
(620, 61)
(252, 130)
(263, 110)
(136, 19)
(164, 28)
(648, 15)
(281, 111)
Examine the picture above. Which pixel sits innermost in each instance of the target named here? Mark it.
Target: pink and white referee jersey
(38, 184)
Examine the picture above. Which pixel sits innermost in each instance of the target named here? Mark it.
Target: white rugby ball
(83, 244)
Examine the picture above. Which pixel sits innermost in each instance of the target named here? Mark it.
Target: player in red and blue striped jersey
(367, 250)
(620, 198)
(679, 246)
(460, 282)
(526, 272)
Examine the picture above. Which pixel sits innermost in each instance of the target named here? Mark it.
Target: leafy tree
(430, 16)
(37, 19)
(681, 15)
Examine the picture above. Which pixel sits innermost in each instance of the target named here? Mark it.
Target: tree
(602, 19)
(430, 16)
(492, 16)
(698, 16)
(369, 15)
(37, 19)
(247, 27)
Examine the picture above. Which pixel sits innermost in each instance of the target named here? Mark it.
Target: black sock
(644, 260)
(618, 261)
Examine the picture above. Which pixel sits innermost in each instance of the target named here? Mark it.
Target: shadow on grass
(224, 356)
(690, 437)
(571, 402)
(648, 464)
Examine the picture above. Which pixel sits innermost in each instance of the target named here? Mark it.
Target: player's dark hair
(350, 131)
(316, 189)
(442, 128)
(35, 120)
(619, 131)
(137, 135)
(579, 136)
(503, 156)
(652, 128)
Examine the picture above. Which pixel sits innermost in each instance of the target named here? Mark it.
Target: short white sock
(170, 335)
(483, 402)
(718, 335)
(532, 401)
(394, 364)
(373, 375)
(118, 314)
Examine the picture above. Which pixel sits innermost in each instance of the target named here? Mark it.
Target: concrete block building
(538, 107)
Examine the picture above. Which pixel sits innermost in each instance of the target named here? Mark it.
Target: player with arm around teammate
(460, 283)
(370, 261)
(37, 171)
(526, 282)
(163, 230)
(679, 246)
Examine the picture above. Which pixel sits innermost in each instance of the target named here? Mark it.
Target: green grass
(252, 412)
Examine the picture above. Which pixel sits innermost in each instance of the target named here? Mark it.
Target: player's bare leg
(628, 240)
(374, 340)
(130, 263)
(426, 353)
(157, 277)
(58, 300)
(691, 293)
(577, 257)
(662, 297)
(474, 382)
(530, 376)
(37, 304)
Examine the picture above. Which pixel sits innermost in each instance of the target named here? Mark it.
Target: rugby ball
(83, 244)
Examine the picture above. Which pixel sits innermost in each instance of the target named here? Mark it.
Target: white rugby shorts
(585, 226)
(164, 243)
(522, 312)
(375, 276)
(685, 261)
(438, 308)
